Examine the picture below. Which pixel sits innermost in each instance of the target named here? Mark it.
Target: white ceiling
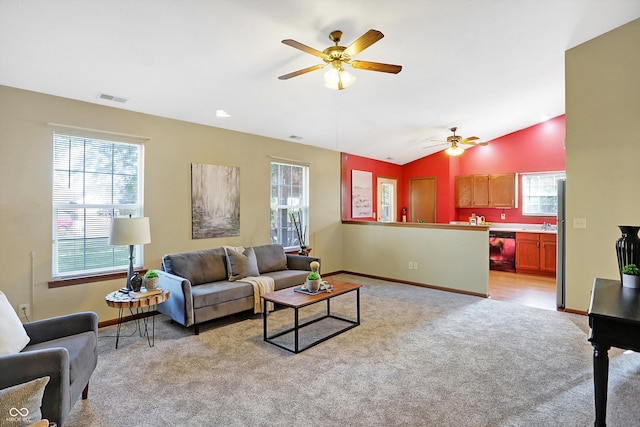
(490, 67)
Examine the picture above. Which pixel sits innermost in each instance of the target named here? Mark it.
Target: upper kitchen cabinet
(502, 190)
(464, 191)
(486, 191)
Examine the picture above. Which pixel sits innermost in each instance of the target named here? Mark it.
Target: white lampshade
(130, 231)
(454, 150)
(338, 79)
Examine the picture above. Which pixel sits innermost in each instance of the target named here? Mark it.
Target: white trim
(99, 131)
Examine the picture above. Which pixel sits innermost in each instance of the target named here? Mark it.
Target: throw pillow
(241, 264)
(13, 337)
(20, 404)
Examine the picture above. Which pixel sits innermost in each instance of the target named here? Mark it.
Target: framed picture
(473, 221)
(215, 201)
(361, 194)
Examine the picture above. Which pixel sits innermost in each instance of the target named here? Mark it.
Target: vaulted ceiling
(489, 67)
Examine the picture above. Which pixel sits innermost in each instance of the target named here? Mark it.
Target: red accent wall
(377, 168)
(539, 148)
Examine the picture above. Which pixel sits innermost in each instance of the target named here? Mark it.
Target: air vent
(112, 98)
(295, 137)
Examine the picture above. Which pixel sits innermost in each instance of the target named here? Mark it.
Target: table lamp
(130, 231)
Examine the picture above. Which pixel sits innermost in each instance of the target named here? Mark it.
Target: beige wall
(25, 192)
(603, 154)
(447, 256)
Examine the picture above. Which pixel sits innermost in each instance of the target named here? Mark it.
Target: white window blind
(289, 194)
(93, 181)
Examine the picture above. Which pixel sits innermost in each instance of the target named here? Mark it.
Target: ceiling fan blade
(376, 66)
(303, 71)
(304, 48)
(365, 40)
(471, 138)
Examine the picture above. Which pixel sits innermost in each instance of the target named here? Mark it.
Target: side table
(123, 301)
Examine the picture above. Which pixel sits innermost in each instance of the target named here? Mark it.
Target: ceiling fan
(337, 56)
(455, 141)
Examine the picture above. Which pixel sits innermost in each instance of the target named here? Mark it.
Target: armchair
(65, 348)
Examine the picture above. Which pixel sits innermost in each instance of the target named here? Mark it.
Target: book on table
(143, 293)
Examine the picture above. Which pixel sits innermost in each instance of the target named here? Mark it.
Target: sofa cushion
(198, 267)
(288, 278)
(20, 404)
(209, 294)
(241, 264)
(13, 337)
(270, 258)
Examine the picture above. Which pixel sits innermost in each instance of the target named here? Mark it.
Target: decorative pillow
(270, 257)
(13, 337)
(241, 264)
(20, 404)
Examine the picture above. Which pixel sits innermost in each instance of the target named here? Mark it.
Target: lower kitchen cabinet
(536, 253)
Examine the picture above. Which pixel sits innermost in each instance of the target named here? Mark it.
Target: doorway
(422, 199)
(387, 199)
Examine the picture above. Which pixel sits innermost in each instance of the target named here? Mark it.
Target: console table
(614, 319)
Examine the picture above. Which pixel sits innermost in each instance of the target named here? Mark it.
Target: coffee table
(296, 300)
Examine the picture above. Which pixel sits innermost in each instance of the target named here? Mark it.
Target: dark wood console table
(614, 319)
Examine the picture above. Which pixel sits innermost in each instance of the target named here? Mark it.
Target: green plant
(631, 269)
(313, 276)
(150, 274)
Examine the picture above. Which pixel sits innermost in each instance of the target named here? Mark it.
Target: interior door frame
(391, 181)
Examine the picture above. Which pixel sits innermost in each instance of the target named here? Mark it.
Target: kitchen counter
(514, 227)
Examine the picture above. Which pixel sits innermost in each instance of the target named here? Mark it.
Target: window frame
(302, 208)
(94, 215)
(525, 189)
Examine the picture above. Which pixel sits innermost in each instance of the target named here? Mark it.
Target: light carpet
(421, 357)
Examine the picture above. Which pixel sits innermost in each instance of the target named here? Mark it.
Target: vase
(628, 247)
(630, 281)
(313, 285)
(136, 282)
(151, 283)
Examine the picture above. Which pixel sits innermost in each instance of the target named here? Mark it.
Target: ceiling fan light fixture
(337, 78)
(454, 150)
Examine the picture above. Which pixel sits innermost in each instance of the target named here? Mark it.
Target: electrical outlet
(415, 265)
(410, 265)
(579, 222)
(24, 310)
(503, 216)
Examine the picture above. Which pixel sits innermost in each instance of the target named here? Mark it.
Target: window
(93, 180)
(540, 193)
(289, 196)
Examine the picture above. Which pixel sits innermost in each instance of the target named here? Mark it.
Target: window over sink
(540, 193)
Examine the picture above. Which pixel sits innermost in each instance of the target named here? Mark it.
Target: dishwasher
(502, 250)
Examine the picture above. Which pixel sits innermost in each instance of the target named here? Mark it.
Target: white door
(387, 199)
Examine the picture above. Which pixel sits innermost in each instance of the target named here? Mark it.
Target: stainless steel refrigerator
(561, 245)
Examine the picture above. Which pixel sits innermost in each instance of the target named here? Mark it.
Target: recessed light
(222, 114)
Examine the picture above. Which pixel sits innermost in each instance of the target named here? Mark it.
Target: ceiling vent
(112, 98)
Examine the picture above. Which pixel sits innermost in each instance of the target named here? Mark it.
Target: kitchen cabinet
(464, 191)
(502, 190)
(485, 191)
(536, 253)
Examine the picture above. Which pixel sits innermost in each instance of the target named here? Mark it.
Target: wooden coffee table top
(290, 298)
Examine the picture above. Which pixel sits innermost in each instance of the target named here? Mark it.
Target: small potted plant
(631, 276)
(313, 282)
(151, 280)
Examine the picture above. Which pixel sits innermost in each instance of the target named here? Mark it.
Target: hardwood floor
(524, 289)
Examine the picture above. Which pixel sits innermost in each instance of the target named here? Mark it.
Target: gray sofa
(205, 285)
(65, 348)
